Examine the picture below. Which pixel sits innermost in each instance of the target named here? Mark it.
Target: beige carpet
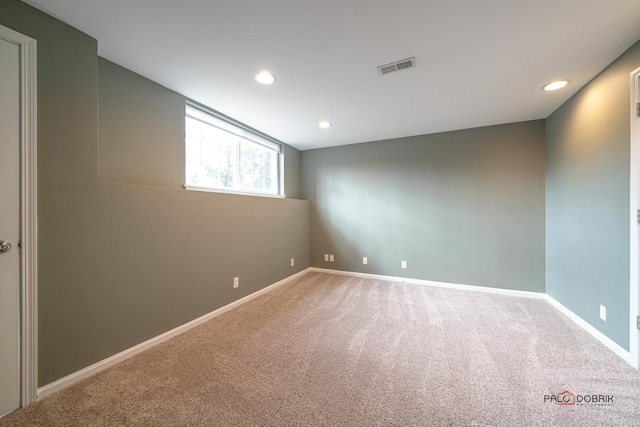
(328, 350)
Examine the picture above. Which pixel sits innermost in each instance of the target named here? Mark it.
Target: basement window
(223, 155)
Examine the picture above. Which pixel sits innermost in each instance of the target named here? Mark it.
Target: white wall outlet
(326, 257)
(236, 282)
(293, 262)
(404, 264)
(330, 257)
(365, 260)
(603, 312)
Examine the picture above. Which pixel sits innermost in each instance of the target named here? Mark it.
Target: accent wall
(464, 207)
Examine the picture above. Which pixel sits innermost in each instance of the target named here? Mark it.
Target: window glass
(219, 159)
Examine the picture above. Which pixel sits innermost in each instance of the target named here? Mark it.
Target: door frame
(28, 244)
(634, 311)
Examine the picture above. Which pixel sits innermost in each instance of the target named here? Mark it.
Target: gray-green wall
(122, 262)
(460, 207)
(141, 128)
(587, 201)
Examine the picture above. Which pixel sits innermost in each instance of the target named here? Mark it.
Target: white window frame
(227, 124)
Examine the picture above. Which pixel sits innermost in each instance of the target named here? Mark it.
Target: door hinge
(638, 216)
(638, 322)
(638, 109)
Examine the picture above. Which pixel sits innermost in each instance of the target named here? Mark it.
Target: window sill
(236, 192)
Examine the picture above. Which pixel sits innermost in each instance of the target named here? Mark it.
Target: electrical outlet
(326, 257)
(603, 312)
(236, 282)
(364, 260)
(330, 257)
(293, 262)
(404, 264)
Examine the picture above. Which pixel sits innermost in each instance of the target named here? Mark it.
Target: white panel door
(9, 227)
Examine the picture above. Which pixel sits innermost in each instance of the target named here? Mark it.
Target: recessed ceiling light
(558, 84)
(324, 124)
(265, 78)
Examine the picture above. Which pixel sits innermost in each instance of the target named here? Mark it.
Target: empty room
(336, 213)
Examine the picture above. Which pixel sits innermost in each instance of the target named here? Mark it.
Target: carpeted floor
(329, 350)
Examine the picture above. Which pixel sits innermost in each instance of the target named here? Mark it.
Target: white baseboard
(608, 342)
(511, 292)
(70, 379)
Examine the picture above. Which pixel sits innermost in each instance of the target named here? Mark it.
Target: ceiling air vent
(397, 66)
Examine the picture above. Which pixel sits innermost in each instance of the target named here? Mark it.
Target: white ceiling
(479, 62)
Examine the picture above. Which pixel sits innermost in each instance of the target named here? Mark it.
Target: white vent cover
(397, 66)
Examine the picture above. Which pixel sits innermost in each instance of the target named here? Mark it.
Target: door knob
(4, 246)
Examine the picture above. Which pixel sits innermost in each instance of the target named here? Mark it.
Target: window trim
(225, 123)
(236, 192)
